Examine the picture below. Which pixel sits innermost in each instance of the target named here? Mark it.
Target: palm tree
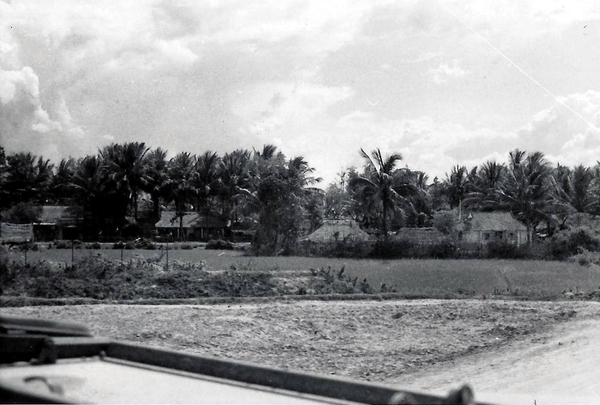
(456, 185)
(233, 175)
(27, 177)
(62, 179)
(421, 201)
(526, 189)
(206, 180)
(268, 152)
(125, 167)
(156, 177)
(88, 189)
(278, 197)
(378, 189)
(481, 194)
(574, 191)
(310, 198)
(179, 185)
(300, 172)
(581, 197)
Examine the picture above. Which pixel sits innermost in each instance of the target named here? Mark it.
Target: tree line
(122, 190)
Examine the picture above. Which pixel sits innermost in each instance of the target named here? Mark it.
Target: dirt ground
(509, 352)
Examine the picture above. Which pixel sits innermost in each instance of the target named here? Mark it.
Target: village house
(57, 223)
(193, 226)
(338, 230)
(484, 227)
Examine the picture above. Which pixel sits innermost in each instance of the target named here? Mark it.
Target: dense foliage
(120, 192)
(95, 276)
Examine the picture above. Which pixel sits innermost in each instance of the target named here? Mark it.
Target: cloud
(25, 124)
(320, 79)
(425, 57)
(425, 144)
(445, 71)
(29, 119)
(570, 135)
(271, 107)
(168, 74)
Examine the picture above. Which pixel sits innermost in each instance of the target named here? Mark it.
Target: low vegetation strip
(204, 275)
(96, 277)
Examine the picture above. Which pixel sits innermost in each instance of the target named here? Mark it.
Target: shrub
(567, 243)
(145, 244)
(505, 250)
(335, 282)
(445, 221)
(125, 245)
(444, 249)
(186, 246)
(219, 244)
(393, 249)
(585, 258)
(93, 245)
(23, 213)
(338, 248)
(67, 244)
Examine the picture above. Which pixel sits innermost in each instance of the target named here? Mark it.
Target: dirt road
(509, 352)
(560, 366)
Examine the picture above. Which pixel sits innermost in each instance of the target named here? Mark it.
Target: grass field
(412, 277)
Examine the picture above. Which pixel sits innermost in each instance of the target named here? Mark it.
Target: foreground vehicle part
(56, 362)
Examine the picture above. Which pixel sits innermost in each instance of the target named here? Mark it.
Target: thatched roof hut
(485, 227)
(339, 230)
(420, 236)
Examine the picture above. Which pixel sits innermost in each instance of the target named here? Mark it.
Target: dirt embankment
(433, 345)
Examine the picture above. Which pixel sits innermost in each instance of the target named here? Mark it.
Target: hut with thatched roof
(338, 238)
(337, 230)
(485, 227)
(193, 226)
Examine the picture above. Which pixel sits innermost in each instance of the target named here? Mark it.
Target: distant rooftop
(493, 221)
(169, 219)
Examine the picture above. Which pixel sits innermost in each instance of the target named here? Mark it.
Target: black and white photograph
(300, 201)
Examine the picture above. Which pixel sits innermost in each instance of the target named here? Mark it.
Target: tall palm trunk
(384, 229)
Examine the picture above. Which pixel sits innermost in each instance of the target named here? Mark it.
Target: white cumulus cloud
(446, 71)
(568, 132)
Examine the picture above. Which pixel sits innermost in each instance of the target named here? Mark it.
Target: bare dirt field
(510, 352)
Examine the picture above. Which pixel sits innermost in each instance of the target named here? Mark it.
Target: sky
(442, 82)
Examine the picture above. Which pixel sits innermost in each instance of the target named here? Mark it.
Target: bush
(125, 245)
(392, 249)
(23, 213)
(336, 282)
(145, 244)
(568, 243)
(444, 249)
(219, 244)
(445, 221)
(505, 250)
(93, 245)
(338, 248)
(67, 244)
(585, 258)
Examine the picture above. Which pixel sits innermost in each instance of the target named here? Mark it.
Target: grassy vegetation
(438, 277)
(433, 278)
